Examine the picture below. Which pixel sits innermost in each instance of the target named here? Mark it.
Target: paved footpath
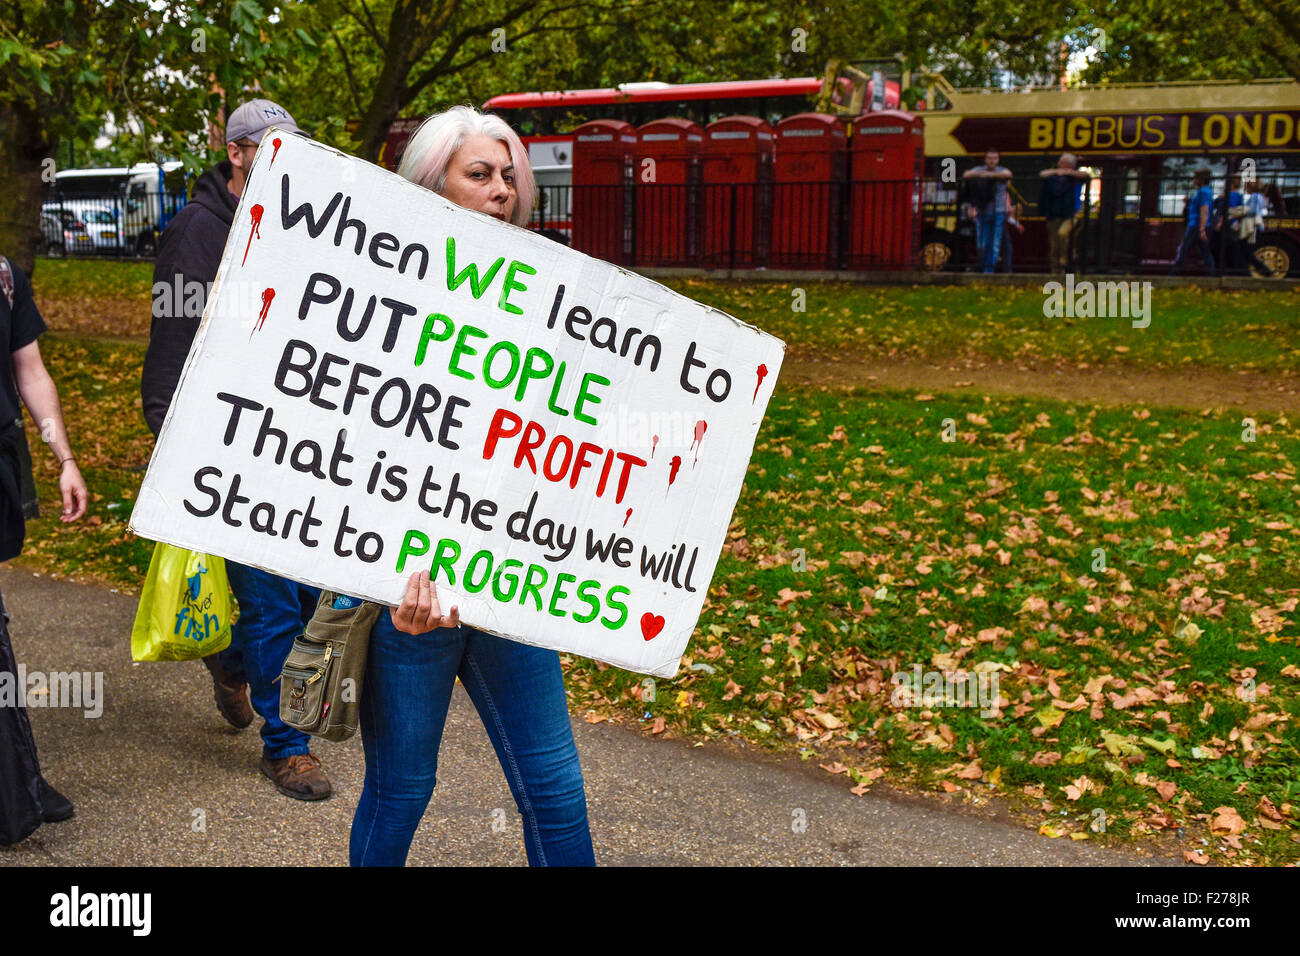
(140, 774)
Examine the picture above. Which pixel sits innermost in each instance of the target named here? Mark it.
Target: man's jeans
(272, 612)
(1190, 238)
(1058, 243)
(519, 693)
(990, 236)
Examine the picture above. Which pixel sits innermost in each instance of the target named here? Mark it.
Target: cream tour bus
(1141, 142)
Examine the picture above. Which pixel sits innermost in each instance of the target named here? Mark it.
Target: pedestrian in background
(1199, 205)
(987, 189)
(1252, 225)
(1225, 222)
(26, 799)
(272, 610)
(1010, 225)
(1059, 202)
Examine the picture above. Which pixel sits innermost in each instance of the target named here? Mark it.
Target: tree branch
(347, 70)
(367, 25)
(443, 66)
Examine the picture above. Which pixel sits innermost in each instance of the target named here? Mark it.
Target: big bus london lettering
(1141, 143)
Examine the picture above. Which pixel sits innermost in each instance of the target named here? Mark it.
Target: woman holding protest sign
(416, 652)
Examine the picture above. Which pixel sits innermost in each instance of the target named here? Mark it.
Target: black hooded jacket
(188, 252)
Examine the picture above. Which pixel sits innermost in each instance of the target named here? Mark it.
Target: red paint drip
(653, 442)
(626, 516)
(256, 215)
(700, 427)
(274, 152)
(762, 374)
(673, 466)
(267, 296)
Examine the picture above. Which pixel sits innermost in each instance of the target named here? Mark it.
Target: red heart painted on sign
(651, 624)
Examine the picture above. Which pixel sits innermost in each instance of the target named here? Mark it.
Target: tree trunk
(373, 130)
(386, 101)
(23, 149)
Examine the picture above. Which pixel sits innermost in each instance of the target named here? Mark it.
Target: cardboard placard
(384, 382)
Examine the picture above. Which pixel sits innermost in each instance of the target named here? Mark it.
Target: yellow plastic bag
(185, 608)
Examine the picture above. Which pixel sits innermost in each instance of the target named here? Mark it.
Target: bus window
(1176, 181)
(1131, 206)
(1280, 182)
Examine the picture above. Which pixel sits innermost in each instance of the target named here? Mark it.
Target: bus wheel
(1280, 255)
(936, 255)
(145, 247)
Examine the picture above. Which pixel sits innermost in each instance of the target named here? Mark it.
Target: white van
(124, 208)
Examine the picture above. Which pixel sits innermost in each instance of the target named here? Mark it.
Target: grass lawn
(1130, 575)
(99, 387)
(109, 278)
(1189, 326)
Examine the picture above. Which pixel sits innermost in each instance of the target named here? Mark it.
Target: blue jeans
(272, 612)
(519, 693)
(990, 236)
(1190, 238)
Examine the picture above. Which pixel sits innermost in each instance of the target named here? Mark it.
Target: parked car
(105, 228)
(62, 233)
(101, 219)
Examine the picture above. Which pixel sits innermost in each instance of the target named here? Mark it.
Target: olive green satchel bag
(320, 684)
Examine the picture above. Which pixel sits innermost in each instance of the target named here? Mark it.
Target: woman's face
(481, 177)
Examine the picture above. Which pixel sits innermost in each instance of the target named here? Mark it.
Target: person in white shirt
(1251, 224)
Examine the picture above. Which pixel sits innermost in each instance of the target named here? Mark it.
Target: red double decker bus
(545, 120)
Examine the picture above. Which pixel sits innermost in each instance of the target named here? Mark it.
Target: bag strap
(7, 280)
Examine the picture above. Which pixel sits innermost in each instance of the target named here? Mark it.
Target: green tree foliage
(1151, 40)
(162, 72)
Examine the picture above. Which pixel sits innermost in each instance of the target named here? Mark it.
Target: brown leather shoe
(298, 776)
(231, 694)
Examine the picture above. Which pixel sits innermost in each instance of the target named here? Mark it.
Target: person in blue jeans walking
(416, 652)
(272, 610)
(1199, 205)
(987, 188)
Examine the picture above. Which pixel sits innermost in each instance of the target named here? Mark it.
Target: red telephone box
(667, 192)
(885, 162)
(808, 191)
(604, 152)
(737, 192)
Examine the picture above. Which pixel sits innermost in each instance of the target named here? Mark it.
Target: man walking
(987, 187)
(1199, 204)
(1059, 203)
(272, 610)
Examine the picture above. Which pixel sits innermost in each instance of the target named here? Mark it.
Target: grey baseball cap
(254, 118)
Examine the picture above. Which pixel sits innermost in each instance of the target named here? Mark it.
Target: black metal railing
(808, 225)
(1125, 223)
(105, 223)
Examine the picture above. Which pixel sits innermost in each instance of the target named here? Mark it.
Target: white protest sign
(385, 382)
